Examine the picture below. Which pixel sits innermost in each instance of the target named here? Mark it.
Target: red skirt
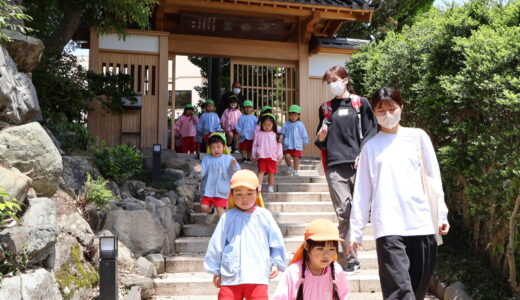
(246, 145)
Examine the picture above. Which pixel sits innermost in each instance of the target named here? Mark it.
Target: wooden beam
(272, 7)
(162, 86)
(229, 47)
(159, 16)
(321, 49)
(308, 26)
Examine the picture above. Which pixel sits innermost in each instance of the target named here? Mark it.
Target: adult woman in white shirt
(389, 189)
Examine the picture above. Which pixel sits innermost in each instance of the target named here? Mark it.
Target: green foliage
(13, 263)
(56, 21)
(76, 274)
(96, 192)
(72, 136)
(390, 15)
(65, 89)
(8, 207)
(459, 74)
(11, 18)
(119, 163)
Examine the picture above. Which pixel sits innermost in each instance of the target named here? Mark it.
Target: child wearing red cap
(314, 272)
(247, 247)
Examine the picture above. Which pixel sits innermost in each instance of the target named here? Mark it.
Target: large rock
(30, 150)
(456, 291)
(10, 288)
(37, 235)
(145, 283)
(18, 100)
(39, 285)
(166, 217)
(76, 226)
(15, 183)
(139, 230)
(76, 277)
(186, 191)
(75, 170)
(146, 267)
(26, 51)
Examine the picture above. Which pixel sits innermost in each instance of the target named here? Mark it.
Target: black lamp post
(108, 289)
(156, 162)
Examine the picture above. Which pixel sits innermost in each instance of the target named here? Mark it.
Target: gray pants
(340, 179)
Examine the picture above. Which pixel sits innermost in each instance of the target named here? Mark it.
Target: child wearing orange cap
(216, 170)
(247, 247)
(314, 272)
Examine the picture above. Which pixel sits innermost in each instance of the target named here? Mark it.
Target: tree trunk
(510, 253)
(63, 33)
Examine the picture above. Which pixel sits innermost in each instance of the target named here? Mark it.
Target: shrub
(119, 163)
(458, 72)
(97, 193)
(8, 207)
(12, 17)
(71, 135)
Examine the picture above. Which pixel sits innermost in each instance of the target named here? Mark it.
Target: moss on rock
(76, 274)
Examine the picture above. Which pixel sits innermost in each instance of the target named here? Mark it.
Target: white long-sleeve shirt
(389, 187)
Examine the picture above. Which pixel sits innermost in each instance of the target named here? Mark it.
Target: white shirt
(389, 187)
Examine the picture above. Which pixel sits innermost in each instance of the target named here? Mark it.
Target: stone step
(200, 244)
(287, 229)
(281, 178)
(296, 196)
(195, 263)
(302, 187)
(276, 207)
(282, 217)
(198, 283)
(352, 296)
(281, 168)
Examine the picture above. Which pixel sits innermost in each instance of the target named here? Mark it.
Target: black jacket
(343, 142)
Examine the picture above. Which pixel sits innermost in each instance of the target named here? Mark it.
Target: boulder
(10, 288)
(39, 285)
(75, 170)
(94, 217)
(74, 274)
(56, 142)
(146, 268)
(165, 216)
(153, 204)
(76, 226)
(456, 291)
(173, 174)
(134, 294)
(158, 261)
(186, 191)
(139, 230)
(15, 183)
(131, 204)
(182, 211)
(26, 51)
(132, 188)
(30, 150)
(18, 100)
(172, 196)
(37, 235)
(145, 283)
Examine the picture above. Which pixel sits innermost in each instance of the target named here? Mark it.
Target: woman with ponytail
(314, 272)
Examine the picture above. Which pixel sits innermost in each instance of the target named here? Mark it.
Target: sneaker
(352, 267)
(212, 217)
(289, 171)
(236, 151)
(244, 160)
(270, 189)
(295, 173)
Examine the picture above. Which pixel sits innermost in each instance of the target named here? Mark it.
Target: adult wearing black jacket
(342, 139)
(236, 92)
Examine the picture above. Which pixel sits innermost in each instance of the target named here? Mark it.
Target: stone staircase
(295, 202)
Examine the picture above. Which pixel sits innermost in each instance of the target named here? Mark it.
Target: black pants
(406, 265)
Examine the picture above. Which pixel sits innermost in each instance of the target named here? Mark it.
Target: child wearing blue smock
(209, 122)
(294, 137)
(216, 170)
(246, 248)
(246, 130)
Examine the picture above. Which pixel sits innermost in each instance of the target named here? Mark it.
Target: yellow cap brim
(321, 238)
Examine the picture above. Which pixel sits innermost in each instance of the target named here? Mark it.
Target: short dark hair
(216, 139)
(235, 82)
(340, 72)
(385, 94)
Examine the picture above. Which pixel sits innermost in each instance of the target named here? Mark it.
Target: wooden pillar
(303, 94)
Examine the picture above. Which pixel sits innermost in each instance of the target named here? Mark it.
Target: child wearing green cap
(216, 171)
(209, 123)
(186, 126)
(294, 137)
(246, 130)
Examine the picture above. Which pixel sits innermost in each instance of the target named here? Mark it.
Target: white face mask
(233, 105)
(337, 88)
(236, 91)
(389, 120)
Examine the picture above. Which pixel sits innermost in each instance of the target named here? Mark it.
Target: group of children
(257, 139)
(247, 249)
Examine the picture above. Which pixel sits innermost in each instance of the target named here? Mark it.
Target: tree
(11, 18)
(390, 15)
(459, 74)
(56, 21)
